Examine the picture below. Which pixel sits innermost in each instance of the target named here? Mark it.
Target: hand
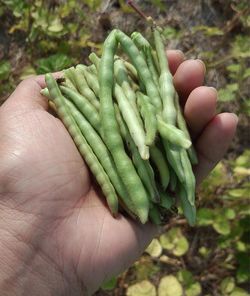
(56, 235)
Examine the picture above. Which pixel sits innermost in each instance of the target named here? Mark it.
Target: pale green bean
(114, 141)
(81, 143)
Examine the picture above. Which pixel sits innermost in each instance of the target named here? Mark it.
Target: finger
(27, 94)
(175, 58)
(189, 75)
(200, 108)
(214, 142)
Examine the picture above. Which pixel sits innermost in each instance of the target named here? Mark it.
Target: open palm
(57, 211)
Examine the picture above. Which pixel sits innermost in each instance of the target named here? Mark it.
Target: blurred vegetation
(213, 258)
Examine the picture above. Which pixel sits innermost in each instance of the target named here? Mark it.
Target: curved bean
(172, 134)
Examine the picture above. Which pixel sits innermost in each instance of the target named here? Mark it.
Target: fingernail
(214, 90)
(236, 118)
(180, 52)
(202, 63)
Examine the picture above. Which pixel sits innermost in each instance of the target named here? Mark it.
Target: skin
(57, 237)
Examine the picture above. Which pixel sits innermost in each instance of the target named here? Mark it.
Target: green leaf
(222, 226)
(243, 274)
(145, 268)
(5, 69)
(240, 47)
(154, 249)
(239, 292)
(56, 62)
(217, 177)
(110, 284)
(229, 213)
(243, 160)
(144, 288)
(227, 285)
(175, 242)
(190, 286)
(228, 93)
(205, 216)
(240, 246)
(169, 286)
(27, 71)
(246, 73)
(203, 251)
(194, 289)
(55, 26)
(185, 277)
(239, 193)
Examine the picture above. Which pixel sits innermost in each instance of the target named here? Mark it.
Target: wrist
(25, 269)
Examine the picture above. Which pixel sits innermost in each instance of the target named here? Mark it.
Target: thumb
(27, 94)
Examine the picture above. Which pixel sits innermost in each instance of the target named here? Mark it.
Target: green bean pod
(174, 158)
(95, 60)
(148, 114)
(142, 69)
(188, 209)
(146, 48)
(99, 148)
(90, 79)
(183, 126)
(84, 106)
(158, 159)
(173, 134)
(121, 77)
(165, 81)
(143, 167)
(134, 126)
(114, 141)
(81, 143)
(82, 86)
(189, 182)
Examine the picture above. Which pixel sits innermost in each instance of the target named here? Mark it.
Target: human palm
(46, 186)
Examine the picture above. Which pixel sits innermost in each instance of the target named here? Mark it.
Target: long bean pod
(131, 119)
(143, 167)
(142, 69)
(114, 141)
(81, 143)
(161, 165)
(86, 108)
(99, 148)
(173, 134)
(146, 48)
(183, 126)
(148, 114)
(83, 88)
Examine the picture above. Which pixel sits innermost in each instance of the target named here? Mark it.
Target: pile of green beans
(127, 123)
